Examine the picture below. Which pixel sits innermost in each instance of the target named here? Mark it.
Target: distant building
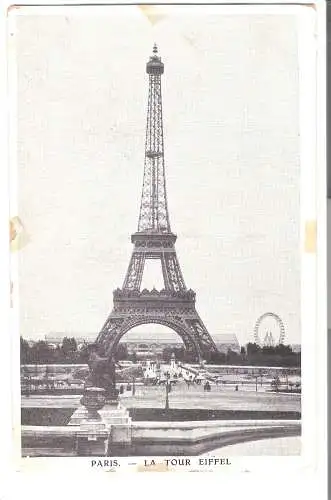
(269, 340)
(149, 347)
(227, 341)
(147, 344)
(57, 339)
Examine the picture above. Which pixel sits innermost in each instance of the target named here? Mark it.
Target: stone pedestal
(111, 413)
(119, 425)
(78, 416)
(92, 439)
(115, 415)
(92, 428)
(92, 436)
(110, 434)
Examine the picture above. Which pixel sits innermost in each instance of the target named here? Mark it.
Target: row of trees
(255, 355)
(251, 354)
(69, 352)
(43, 353)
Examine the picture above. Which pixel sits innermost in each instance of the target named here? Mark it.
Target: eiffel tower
(174, 305)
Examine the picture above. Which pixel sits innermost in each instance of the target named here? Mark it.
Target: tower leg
(110, 334)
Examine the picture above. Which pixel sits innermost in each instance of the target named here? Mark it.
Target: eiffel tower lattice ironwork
(174, 305)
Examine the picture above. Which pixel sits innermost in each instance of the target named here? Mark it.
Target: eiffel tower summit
(174, 305)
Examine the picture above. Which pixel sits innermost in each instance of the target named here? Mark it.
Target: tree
(41, 353)
(268, 350)
(232, 357)
(275, 384)
(121, 351)
(69, 345)
(83, 353)
(283, 350)
(217, 358)
(69, 351)
(133, 357)
(252, 349)
(166, 354)
(179, 353)
(25, 353)
(57, 355)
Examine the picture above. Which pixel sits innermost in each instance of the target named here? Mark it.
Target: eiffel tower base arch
(175, 310)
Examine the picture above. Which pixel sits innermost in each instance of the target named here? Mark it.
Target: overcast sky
(230, 103)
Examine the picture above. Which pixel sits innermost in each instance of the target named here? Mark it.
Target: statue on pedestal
(102, 373)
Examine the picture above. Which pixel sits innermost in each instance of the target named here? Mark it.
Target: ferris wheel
(279, 322)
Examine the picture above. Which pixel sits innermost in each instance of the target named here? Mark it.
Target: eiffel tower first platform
(174, 305)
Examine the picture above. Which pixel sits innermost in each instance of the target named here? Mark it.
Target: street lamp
(133, 386)
(168, 389)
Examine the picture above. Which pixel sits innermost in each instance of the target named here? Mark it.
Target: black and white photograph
(161, 185)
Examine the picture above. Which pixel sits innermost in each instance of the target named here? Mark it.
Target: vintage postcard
(165, 167)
